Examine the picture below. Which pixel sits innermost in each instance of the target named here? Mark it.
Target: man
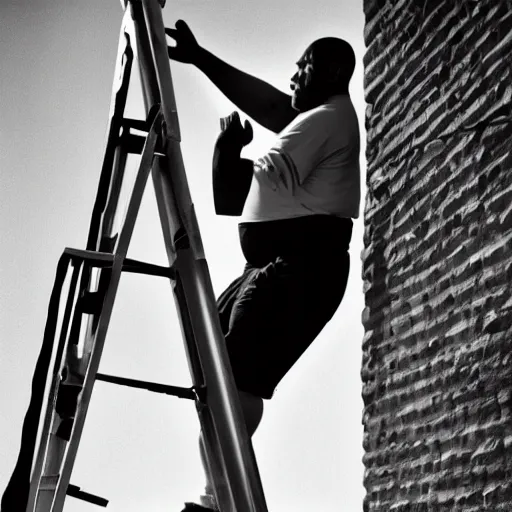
(297, 203)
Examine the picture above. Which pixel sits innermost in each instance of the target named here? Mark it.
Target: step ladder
(41, 479)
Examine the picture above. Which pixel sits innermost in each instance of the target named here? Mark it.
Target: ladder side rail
(237, 455)
(168, 213)
(169, 216)
(104, 209)
(172, 192)
(216, 466)
(64, 405)
(119, 95)
(215, 460)
(107, 238)
(108, 303)
(196, 281)
(108, 233)
(149, 84)
(101, 237)
(51, 397)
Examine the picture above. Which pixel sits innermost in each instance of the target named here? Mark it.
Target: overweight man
(296, 204)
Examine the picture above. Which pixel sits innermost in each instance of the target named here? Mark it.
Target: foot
(193, 507)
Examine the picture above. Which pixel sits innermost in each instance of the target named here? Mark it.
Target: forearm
(231, 179)
(259, 100)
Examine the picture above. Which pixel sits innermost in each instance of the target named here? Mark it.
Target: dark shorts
(292, 284)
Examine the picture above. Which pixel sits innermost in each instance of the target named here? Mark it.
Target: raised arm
(259, 100)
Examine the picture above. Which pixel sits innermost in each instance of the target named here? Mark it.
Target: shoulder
(316, 119)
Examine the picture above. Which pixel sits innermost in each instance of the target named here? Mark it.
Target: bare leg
(252, 407)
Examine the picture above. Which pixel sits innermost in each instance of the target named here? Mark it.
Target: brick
(437, 258)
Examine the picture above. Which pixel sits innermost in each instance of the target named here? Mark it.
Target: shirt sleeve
(296, 153)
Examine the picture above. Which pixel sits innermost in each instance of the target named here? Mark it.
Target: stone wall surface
(437, 258)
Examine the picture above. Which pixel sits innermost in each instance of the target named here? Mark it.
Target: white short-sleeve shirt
(313, 167)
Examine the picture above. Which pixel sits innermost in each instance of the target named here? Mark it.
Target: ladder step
(188, 393)
(105, 259)
(75, 492)
(133, 143)
(98, 259)
(136, 124)
(140, 267)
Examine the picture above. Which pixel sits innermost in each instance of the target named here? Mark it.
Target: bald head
(334, 59)
(325, 70)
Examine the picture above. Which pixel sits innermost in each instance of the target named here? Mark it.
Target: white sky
(140, 450)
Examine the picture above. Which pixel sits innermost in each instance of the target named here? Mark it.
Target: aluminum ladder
(41, 478)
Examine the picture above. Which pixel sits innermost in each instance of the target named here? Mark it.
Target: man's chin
(296, 104)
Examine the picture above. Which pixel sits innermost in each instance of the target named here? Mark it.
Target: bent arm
(259, 100)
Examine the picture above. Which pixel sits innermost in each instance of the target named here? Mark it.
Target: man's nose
(293, 81)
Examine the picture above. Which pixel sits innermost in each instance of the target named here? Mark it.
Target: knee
(252, 407)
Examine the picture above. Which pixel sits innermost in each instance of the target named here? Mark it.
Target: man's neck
(327, 100)
(338, 94)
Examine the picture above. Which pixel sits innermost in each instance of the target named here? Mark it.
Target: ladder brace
(192, 393)
(148, 269)
(103, 260)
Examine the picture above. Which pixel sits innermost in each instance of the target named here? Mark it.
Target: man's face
(307, 88)
(301, 83)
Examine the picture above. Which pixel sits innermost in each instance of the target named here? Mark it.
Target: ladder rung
(105, 259)
(140, 267)
(188, 393)
(100, 259)
(136, 124)
(75, 492)
(135, 144)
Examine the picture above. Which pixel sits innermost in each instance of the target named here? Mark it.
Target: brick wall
(437, 262)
